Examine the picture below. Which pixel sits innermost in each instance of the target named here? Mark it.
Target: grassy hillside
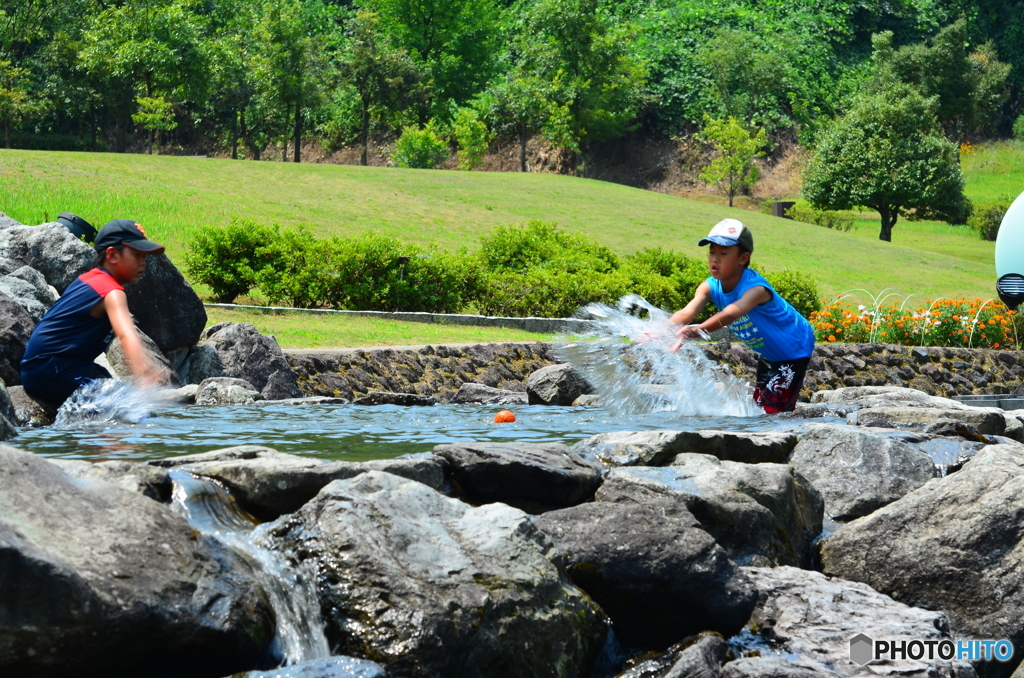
(174, 196)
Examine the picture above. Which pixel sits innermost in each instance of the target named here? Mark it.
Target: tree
(473, 138)
(15, 102)
(593, 86)
(733, 167)
(516, 104)
(969, 86)
(383, 76)
(888, 153)
(155, 115)
(455, 41)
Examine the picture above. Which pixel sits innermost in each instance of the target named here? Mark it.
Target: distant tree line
(245, 76)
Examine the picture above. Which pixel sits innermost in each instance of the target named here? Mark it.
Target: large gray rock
(427, 585)
(657, 448)
(773, 666)
(8, 222)
(658, 580)
(242, 352)
(27, 410)
(956, 544)
(988, 420)
(8, 414)
(165, 306)
(28, 287)
(811, 618)
(268, 483)
(50, 249)
(96, 580)
(534, 477)
(221, 391)
(859, 471)
(481, 394)
(759, 513)
(16, 327)
(884, 396)
(331, 667)
(556, 385)
(119, 363)
(150, 481)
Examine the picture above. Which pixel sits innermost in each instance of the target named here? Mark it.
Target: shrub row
(968, 323)
(531, 269)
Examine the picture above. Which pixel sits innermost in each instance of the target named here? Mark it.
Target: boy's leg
(72, 377)
(779, 383)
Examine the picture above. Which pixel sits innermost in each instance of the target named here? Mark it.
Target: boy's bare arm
(116, 305)
(753, 297)
(701, 298)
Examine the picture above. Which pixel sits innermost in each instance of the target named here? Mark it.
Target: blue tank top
(774, 329)
(67, 330)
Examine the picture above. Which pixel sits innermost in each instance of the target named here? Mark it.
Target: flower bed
(968, 323)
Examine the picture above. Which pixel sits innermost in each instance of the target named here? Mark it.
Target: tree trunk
(287, 119)
(364, 133)
(298, 131)
(234, 135)
(92, 113)
(7, 133)
(889, 216)
(119, 134)
(522, 147)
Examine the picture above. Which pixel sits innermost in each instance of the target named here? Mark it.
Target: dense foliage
(532, 269)
(246, 76)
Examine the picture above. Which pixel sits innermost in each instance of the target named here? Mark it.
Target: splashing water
(208, 507)
(634, 370)
(106, 401)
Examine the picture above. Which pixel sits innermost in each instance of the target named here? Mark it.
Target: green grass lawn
(308, 330)
(174, 196)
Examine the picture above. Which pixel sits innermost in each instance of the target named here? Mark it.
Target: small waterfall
(634, 370)
(106, 401)
(212, 510)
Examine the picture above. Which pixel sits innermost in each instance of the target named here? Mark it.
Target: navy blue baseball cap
(125, 232)
(729, 232)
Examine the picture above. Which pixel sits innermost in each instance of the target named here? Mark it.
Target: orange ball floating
(504, 417)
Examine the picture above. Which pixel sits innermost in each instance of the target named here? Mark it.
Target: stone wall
(431, 370)
(440, 370)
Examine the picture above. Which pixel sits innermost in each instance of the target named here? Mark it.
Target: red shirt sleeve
(101, 282)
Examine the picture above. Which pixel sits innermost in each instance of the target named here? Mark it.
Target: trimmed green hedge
(531, 269)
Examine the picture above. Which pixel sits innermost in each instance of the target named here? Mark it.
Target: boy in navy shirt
(755, 313)
(82, 323)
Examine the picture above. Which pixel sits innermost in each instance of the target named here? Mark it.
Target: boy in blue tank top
(91, 312)
(755, 313)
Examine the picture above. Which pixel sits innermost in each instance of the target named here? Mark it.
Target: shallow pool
(348, 432)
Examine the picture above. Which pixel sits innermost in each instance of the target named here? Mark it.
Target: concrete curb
(537, 325)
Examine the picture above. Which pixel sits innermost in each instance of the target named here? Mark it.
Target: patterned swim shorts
(779, 383)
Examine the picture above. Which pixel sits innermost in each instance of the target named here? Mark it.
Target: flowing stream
(210, 508)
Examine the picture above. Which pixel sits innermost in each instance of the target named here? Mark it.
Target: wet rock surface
(427, 585)
(268, 483)
(481, 394)
(27, 410)
(657, 448)
(858, 471)
(556, 385)
(657, 579)
(984, 420)
(534, 477)
(239, 351)
(403, 399)
(332, 667)
(218, 391)
(150, 481)
(699, 657)
(97, 580)
(814, 617)
(762, 513)
(954, 544)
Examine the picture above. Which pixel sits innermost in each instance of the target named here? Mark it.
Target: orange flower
(995, 345)
(831, 337)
